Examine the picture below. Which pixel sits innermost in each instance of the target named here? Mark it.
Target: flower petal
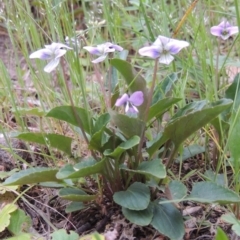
(61, 45)
(136, 98)
(122, 100)
(107, 47)
(127, 107)
(53, 46)
(233, 30)
(225, 36)
(110, 47)
(175, 46)
(59, 53)
(132, 109)
(117, 47)
(224, 24)
(152, 51)
(164, 40)
(93, 50)
(216, 31)
(51, 65)
(100, 59)
(43, 54)
(166, 59)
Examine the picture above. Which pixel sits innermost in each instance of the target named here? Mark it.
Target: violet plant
(127, 151)
(224, 30)
(130, 102)
(53, 53)
(103, 50)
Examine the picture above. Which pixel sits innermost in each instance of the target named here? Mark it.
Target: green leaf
(97, 140)
(32, 175)
(101, 122)
(136, 197)
(164, 87)
(5, 215)
(233, 138)
(177, 190)
(190, 151)
(215, 177)
(153, 168)
(66, 113)
(209, 192)
(133, 141)
(230, 218)
(74, 206)
(82, 169)
(111, 78)
(62, 234)
(60, 142)
(161, 107)
(134, 81)
(142, 217)
(75, 195)
(128, 126)
(168, 220)
(190, 108)
(156, 143)
(98, 137)
(24, 236)
(19, 222)
(233, 92)
(181, 127)
(221, 235)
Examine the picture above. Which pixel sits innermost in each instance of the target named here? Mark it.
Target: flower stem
(216, 85)
(100, 81)
(149, 101)
(72, 104)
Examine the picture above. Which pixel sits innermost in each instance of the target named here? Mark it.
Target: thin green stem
(149, 101)
(72, 104)
(99, 80)
(216, 84)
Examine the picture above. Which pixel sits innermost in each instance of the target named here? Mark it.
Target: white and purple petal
(224, 24)
(100, 59)
(127, 107)
(53, 46)
(117, 47)
(122, 100)
(131, 109)
(164, 40)
(166, 58)
(108, 49)
(216, 31)
(136, 98)
(93, 50)
(59, 53)
(175, 46)
(225, 36)
(43, 54)
(51, 65)
(233, 30)
(151, 51)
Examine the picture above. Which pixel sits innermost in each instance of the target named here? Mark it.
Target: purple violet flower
(224, 30)
(51, 52)
(163, 48)
(130, 102)
(102, 50)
